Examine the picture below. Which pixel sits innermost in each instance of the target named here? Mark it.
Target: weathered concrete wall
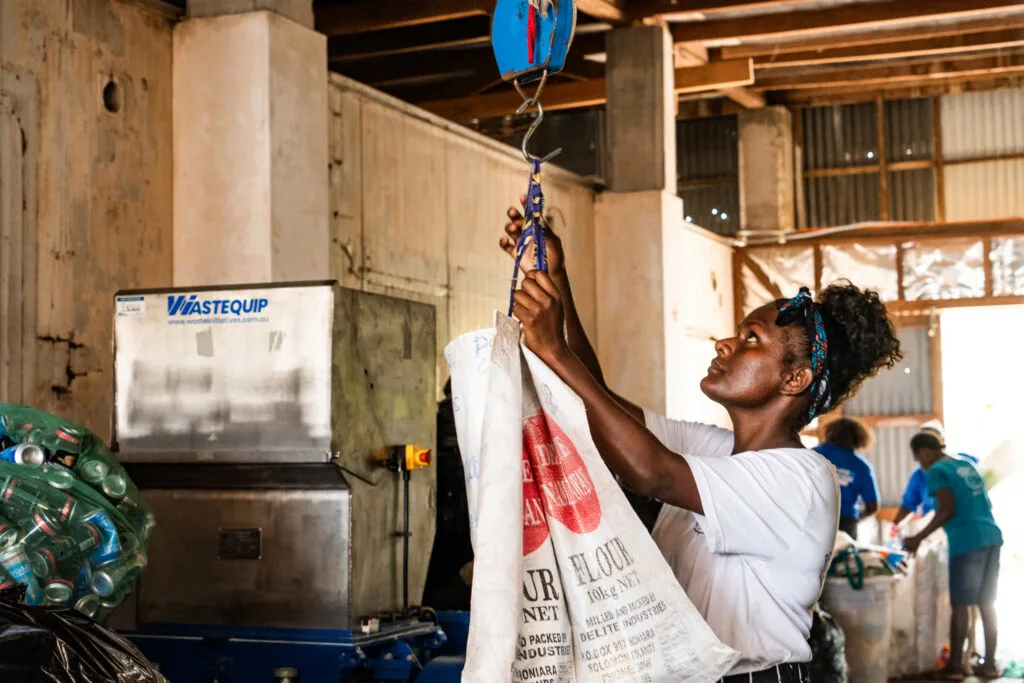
(86, 191)
(417, 208)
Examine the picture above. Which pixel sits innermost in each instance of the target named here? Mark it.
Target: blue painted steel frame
(198, 654)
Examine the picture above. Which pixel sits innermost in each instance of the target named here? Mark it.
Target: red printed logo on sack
(566, 488)
(535, 524)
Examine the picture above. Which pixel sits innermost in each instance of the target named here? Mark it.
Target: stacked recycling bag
(74, 529)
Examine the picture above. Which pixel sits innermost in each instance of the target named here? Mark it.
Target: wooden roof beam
(874, 77)
(971, 42)
(868, 15)
(874, 37)
(745, 97)
(903, 91)
(710, 76)
(606, 10)
(374, 15)
(649, 9)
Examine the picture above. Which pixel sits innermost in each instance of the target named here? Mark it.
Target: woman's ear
(796, 381)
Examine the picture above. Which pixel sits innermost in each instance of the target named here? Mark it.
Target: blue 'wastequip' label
(191, 304)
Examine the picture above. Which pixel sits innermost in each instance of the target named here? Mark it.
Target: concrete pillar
(641, 108)
(250, 150)
(635, 217)
(629, 252)
(299, 11)
(766, 170)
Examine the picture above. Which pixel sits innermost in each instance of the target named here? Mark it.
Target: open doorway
(982, 378)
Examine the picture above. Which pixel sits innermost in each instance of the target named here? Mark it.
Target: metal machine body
(252, 419)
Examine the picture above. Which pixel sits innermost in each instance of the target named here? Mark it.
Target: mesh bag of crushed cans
(74, 529)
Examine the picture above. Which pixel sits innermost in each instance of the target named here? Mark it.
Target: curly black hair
(848, 433)
(861, 338)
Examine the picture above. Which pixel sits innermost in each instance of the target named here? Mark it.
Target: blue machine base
(401, 652)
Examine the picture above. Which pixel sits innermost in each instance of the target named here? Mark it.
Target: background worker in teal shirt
(964, 510)
(915, 496)
(857, 483)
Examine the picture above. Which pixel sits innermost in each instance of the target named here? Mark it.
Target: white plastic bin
(866, 618)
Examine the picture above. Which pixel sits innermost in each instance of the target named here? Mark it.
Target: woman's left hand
(538, 305)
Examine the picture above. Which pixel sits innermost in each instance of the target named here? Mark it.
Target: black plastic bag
(828, 650)
(52, 645)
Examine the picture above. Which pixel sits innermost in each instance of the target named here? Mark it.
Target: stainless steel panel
(231, 370)
(212, 456)
(300, 581)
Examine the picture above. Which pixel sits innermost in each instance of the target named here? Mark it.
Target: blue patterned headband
(802, 306)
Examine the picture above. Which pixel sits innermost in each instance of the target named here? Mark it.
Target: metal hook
(527, 103)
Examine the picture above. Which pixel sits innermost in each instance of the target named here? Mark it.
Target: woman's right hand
(556, 258)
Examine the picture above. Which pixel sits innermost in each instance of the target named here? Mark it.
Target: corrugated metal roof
(982, 124)
(906, 389)
(893, 462)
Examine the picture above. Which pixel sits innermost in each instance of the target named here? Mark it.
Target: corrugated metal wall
(707, 153)
(846, 136)
(840, 136)
(909, 138)
(906, 389)
(983, 124)
(893, 462)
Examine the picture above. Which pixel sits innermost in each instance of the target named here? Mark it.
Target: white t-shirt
(754, 563)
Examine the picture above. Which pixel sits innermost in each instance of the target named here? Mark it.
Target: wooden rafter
(947, 45)
(747, 98)
(875, 36)
(649, 9)
(607, 10)
(469, 32)
(924, 88)
(374, 15)
(873, 77)
(868, 15)
(710, 76)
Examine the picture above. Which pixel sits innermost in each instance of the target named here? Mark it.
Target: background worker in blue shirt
(915, 496)
(964, 510)
(857, 483)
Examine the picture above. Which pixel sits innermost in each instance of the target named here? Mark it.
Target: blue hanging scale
(531, 40)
